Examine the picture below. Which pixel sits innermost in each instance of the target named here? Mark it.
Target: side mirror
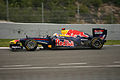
(26, 36)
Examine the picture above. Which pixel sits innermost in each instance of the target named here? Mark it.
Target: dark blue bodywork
(70, 42)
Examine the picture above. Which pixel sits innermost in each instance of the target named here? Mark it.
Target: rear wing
(98, 32)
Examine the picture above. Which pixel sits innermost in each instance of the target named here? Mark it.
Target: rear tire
(31, 45)
(96, 43)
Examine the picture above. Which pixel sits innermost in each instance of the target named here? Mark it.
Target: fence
(40, 15)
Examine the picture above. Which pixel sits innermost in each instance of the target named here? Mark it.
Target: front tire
(31, 45)
(96, 43)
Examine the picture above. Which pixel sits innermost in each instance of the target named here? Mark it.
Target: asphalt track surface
(61, 64)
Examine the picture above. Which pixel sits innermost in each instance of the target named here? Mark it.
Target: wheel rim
(31, 44)
(97, 44)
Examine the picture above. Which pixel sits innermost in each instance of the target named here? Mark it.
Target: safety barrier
(20, 30)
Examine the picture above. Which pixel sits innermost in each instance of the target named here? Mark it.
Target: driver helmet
(63, 28)
(56, 34)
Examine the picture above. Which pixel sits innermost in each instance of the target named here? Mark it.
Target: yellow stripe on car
(13, 42)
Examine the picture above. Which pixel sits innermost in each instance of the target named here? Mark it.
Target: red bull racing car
(67, 39)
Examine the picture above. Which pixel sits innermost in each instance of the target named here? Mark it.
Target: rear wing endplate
(98, 32)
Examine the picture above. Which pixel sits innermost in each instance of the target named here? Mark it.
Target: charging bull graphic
(73, 33)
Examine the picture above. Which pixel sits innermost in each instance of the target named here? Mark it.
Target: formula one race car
(67, 39)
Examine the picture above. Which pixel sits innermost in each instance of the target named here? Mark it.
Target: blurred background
(61, 11)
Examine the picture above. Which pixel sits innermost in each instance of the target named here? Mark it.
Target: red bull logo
(64, 43)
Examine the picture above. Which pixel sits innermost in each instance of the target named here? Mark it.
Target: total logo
(64, 43)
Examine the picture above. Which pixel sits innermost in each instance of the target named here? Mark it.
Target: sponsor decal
(84, 39)
(102, 37)
(16, 47)
(64, 42)
(99, 31)
(42, 42)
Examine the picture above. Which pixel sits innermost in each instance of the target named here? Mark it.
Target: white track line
(62, 67)
(116, 62)
(16, 65)
(4, 48)
(71, 64)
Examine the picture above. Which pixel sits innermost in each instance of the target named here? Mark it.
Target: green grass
(112, 42)
(5, 42)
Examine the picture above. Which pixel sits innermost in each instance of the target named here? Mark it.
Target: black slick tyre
(96, 43)
(30, 45)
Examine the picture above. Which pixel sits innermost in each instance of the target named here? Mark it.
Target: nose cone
(13, 41)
